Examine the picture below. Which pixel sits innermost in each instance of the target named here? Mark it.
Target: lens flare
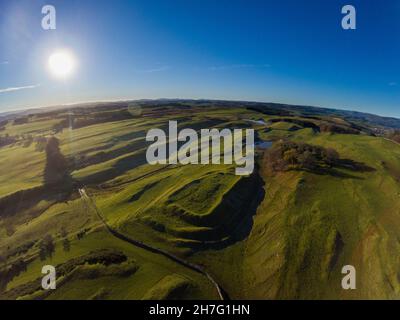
(62, 64)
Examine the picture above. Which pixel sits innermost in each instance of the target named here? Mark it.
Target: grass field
(273, 235)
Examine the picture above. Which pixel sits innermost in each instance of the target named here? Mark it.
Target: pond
(259, 122)
(263, 144)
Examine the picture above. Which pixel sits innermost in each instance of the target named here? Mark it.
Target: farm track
(221, 293)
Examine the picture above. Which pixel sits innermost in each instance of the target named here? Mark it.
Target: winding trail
(221, 293)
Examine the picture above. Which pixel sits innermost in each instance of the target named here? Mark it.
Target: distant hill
(264, 107)
(355, 116)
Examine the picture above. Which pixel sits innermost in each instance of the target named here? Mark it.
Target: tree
(286, 155)
(47, 247)
(331, 156)
(40, 144)
(58, 127)
(307, 160)
(42, 253)
(290, 156)
(27, 141)
(66, 243)
(63, 232)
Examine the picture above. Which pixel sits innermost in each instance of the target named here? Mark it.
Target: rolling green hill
(284, 232)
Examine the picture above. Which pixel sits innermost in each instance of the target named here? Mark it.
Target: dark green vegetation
(326, 194)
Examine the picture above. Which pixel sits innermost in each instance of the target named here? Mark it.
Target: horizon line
(22, 109)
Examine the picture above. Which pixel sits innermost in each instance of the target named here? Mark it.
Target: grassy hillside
(280, 233)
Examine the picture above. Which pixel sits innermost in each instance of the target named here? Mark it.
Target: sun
(62, 64)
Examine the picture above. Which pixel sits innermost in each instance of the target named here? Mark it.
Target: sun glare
(62, 64)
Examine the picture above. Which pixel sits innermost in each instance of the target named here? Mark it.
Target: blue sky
(280, 51)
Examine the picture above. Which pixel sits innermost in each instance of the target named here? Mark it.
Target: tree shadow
(353, 165)
(235, 225)
(340, 164)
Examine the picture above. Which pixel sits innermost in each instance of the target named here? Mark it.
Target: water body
(260, 122)
(263, 144)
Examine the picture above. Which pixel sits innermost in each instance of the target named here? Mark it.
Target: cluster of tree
(302, 123)
(60, 126)
(334, 128)
(80, 120)
(7, 140)
(8, 273)
(27, 140)
(20, 250)
(21, 120)
(112, 259)
(270, 110)
(105, 257)
(56, 170)
(82, 233)
(320, 127)
(286, 155)
(46, 247)
(40, 143)
(3, 124)
(100, 117)
(66, 243)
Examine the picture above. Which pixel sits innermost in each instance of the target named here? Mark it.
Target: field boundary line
(221, 293)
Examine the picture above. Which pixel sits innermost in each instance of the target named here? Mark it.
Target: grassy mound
(171, 287)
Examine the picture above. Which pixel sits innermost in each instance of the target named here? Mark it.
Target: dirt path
(221, 293)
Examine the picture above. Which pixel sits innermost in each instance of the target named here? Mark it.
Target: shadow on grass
(233, 220)
(340, 164)
(26, 199)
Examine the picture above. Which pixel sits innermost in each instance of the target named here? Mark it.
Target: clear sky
(273, 50)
